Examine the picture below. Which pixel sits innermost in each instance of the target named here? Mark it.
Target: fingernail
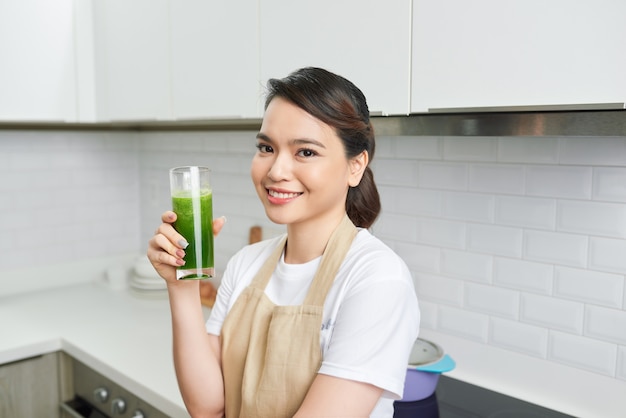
(224, 218)
(180, 262)
(180, 253)
(183, 243)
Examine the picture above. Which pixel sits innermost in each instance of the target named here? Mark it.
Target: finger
(218, 224)
(161, 250)
(160, 258)
(168, 217)
(172, 235)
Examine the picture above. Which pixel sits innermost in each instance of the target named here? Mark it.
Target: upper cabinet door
(487, 53)
(368, 42)
(37, 62)
(215, 59)
(132, 60)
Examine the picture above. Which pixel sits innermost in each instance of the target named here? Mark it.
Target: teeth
(283, 195)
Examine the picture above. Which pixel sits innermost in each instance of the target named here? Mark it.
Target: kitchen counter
(125, 337)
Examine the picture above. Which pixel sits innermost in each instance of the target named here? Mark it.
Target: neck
(307, 241)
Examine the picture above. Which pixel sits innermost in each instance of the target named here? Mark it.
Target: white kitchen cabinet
(367, 42)
(486, 53)
(132, 60)
(214, 59)
(37, 61)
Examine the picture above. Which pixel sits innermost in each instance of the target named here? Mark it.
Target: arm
(334, 397)
(197, 355)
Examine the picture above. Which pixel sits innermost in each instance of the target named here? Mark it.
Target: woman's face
(300, 170)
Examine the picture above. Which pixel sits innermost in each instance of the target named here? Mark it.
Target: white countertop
(125, 337)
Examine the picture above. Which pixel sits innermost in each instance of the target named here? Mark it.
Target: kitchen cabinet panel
(367, 42)
(132, 60)
(37, 68)
(30, 388)
(488, 53)
(215, 59)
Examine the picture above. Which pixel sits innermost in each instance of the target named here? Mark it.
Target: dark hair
(339, 103)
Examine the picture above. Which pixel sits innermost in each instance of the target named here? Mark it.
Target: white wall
(517, 245)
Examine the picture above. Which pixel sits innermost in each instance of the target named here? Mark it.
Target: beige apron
(271, 354)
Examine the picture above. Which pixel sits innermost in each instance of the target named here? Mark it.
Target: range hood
(608, 120)
(519, 122)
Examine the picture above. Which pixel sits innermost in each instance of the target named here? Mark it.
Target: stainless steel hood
(472, 122)
(587, 123)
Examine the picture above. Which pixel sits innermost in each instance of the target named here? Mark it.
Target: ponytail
(363, 201)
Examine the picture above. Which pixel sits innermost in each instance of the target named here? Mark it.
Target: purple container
(426, 363)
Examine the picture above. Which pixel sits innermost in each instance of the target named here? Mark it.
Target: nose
(280, 168)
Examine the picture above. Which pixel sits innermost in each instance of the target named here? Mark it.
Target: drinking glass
(192, 201)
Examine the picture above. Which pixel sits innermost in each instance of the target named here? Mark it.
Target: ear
(357, 168)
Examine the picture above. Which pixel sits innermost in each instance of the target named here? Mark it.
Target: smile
(281, 195)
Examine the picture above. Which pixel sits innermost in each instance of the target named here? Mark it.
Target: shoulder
(369, 252)
(252, 256)
(371, 261)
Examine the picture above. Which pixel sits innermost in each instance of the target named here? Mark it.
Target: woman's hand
(166, 248)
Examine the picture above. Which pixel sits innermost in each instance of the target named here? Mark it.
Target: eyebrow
(296, 141)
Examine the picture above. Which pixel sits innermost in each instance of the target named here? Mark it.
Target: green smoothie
(199, 253)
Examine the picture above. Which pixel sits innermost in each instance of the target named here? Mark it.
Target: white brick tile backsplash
(466, 265)
(592, 218)
(436, 288)
(557, 248)
(606, 254)
(385, 146)
(475, 219)
(399, 227)
(470, 149)
(605, 324)
(609, 184)
(443, 175)
(621, 363)
(449, 234)
(417, 148)
(395, 172)
(496, 178)
(470, 325)
(493, 239)
(589, 286)
(552, 313)
(526, 212)
(559, 181)
(593, 151)
(419, 257)
(469, 207)
(582, 352)
(513, 335)
(428, 315)
(492, 300)
(417, 202)
(528, 150)
(523, 275)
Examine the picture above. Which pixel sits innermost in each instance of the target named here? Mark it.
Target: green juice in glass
(199, 263)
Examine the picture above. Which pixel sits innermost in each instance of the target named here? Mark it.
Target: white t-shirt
(371, 315)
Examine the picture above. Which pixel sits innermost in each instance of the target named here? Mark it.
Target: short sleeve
(374, 331)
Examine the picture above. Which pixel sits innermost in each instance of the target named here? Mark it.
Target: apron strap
(334, 254)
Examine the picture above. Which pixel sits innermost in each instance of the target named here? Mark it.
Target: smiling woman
(319, 321)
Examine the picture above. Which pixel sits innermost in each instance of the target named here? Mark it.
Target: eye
(306, 152)
(264, 149)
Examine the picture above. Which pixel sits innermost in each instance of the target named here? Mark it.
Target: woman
(317, 323)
